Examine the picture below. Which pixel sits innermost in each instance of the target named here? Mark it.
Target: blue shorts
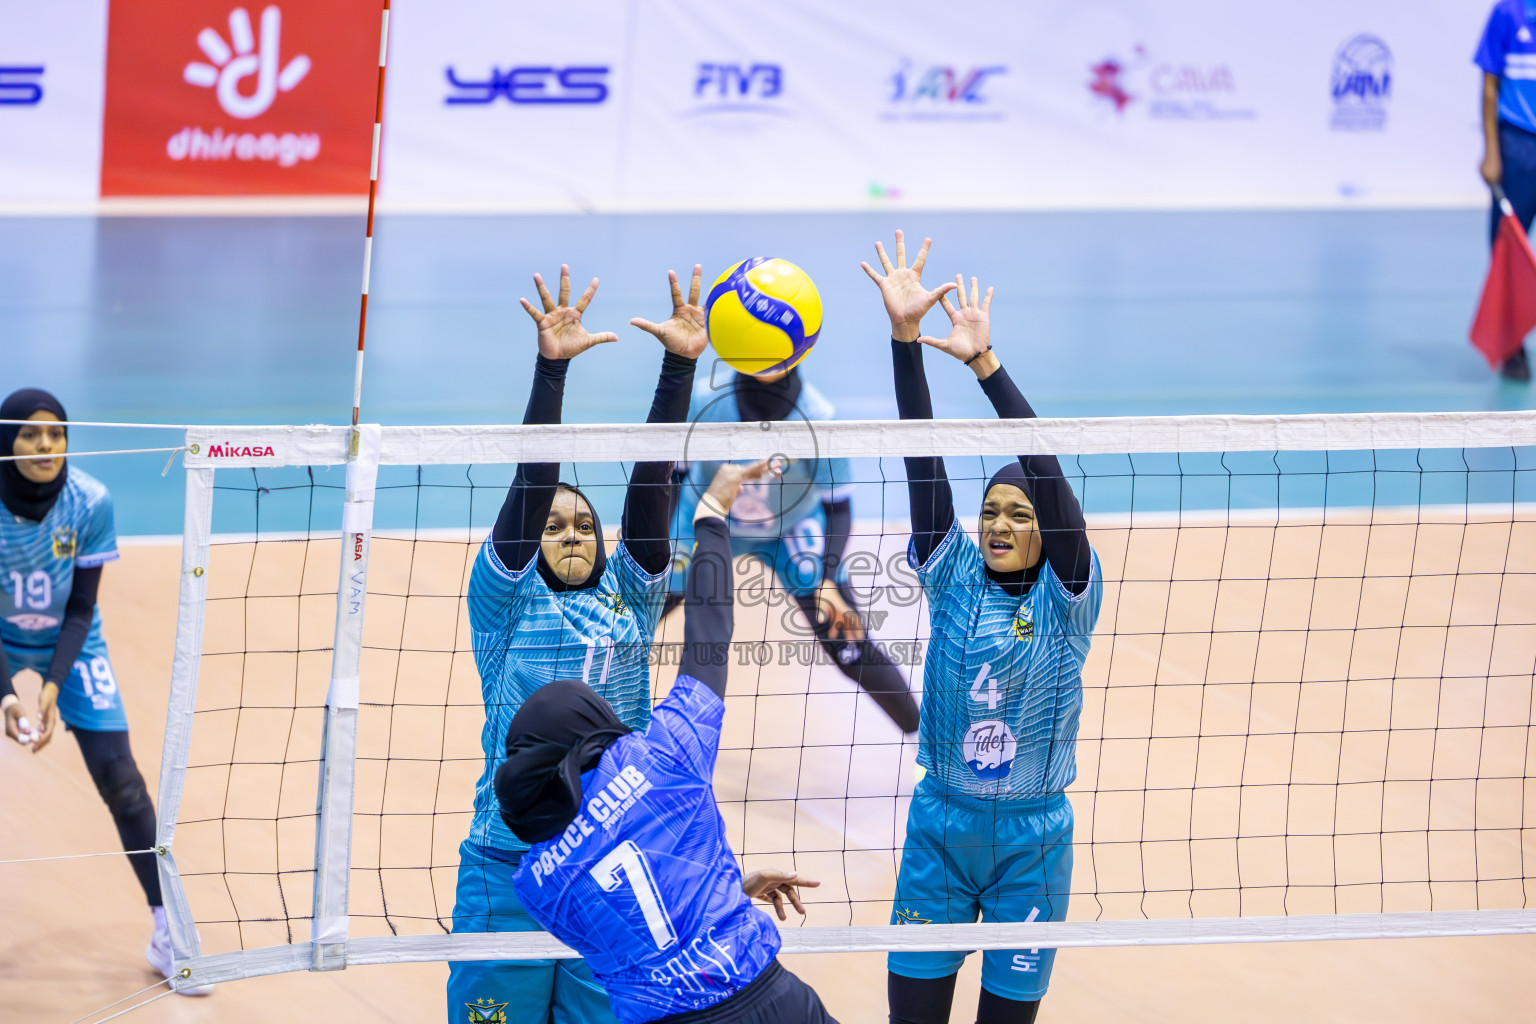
(1008, 863)
(795, 557)
(512, 991)
(89, 698)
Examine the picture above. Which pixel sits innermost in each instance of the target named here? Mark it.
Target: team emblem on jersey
(616, 602)
(1024, 624)
(989, 748)
(483, 1011)
(904, 916)
(63, 542)
(32, 621)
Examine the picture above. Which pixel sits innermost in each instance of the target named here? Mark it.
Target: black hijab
(560, 732)
(27, 498)
(1019, 581)
(599, 563)
(756, 400)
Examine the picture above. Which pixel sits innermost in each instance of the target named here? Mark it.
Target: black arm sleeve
(933, 505)
(711, 615)
(79, 610)
(839, 515)
(6, 689)
(1063, 531)
(646, 528)
(515, 536)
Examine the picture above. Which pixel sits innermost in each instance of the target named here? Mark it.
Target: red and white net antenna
(373, 192)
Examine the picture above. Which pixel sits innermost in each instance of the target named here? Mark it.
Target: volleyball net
(1307, 710)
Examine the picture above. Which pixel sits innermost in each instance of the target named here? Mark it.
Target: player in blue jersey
(56, 533)
(1507, 57)
(1011, 610)
(797, 524)
(546, 602)
(630, 865)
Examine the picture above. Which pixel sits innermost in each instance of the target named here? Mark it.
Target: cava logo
(233, 62)
(989, 749)
(239, 451)
(1166, 90)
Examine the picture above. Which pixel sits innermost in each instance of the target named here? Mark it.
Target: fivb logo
(234, 62)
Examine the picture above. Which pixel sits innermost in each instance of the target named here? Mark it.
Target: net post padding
(338, 751)
(191, 608)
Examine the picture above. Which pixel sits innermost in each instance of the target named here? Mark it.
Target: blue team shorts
(1010, 862)
(89, 698)
(512, 991)
(795, 557)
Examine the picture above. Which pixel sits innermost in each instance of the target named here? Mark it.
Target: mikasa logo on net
(231, 64)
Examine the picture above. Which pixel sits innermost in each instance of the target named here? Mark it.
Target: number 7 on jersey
(627, 863)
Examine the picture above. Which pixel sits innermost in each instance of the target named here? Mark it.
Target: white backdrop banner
(830, 104)
(53, 59)
(988, 104)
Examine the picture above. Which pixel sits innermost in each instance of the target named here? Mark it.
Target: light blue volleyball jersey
(643, 883)
(525, 635)
(766, 509)
(38, 562)
(1002, 684)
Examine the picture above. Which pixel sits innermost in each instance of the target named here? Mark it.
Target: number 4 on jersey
(992, 696)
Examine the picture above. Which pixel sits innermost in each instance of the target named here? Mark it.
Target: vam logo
(21, 86)
(942, 93)
(531, 85)
(989, 749)
(235, 61)
(1361, 85)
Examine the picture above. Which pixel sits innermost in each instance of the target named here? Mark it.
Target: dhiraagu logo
(989, 749)
(230, 63)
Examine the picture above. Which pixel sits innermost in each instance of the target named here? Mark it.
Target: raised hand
(686, 332)
(970, 330)
(561, 335)
(725, 488)
(906, 300)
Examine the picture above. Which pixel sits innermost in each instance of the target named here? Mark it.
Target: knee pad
(121, 785)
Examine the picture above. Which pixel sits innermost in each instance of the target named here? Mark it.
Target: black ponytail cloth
(27, 498)
(560, 732)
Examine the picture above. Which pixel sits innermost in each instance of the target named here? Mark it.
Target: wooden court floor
(1262, 733)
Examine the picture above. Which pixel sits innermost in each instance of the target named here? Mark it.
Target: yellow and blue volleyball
(764, 315)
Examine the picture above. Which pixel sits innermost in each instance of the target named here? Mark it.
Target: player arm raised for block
(562, 337)
(648, 501)
(711, 592)
(906, 301)
(1063, 530)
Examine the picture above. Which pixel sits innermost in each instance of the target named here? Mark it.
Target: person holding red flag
(1507, 56)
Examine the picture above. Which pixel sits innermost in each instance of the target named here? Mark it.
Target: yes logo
(234, 62)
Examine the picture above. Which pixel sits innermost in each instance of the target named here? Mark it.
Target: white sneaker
(159, 955)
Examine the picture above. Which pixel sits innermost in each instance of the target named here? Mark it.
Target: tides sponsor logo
(533, 85)
(989, 750)
(1184, 89)
(942, 92)
(1361, 84)
(21, 85)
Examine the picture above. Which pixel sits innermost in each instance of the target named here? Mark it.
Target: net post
(197, 528)
(338, 750)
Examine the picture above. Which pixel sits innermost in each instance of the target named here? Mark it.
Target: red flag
(1507, 311)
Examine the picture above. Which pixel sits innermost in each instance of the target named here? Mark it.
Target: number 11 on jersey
(626, 863)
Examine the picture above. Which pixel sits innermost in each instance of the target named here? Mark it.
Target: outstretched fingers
(528, 306)
(586, 296)
(974, 296)
(565, 284)
(954, 314)
(603, 337)
(922, 257)
(544, 296)
(698, 281)
(885, 261)
(646, 326)
(901, 250)
(986, 305)
(871, 272)
(960, 290)
(677, 289)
